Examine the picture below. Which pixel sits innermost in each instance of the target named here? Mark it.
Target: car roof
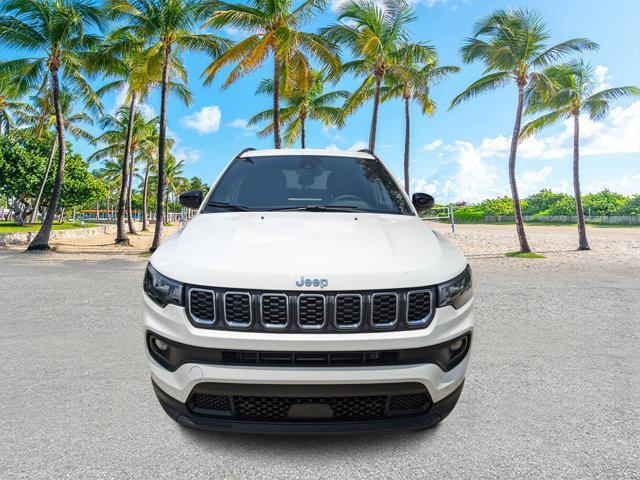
(305, 151)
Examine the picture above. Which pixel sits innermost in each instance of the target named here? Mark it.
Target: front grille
(384, 357)
(274, 310)
(419, 306)
(311, 311)
(384, 310)
(302, 312)
(293, 408)
(278, 408)
(237, 309)
(202, 305)
(348, 311)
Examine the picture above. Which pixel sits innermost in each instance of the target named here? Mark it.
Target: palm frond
(486, 83)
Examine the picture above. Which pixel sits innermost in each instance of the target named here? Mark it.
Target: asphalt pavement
(552, 391)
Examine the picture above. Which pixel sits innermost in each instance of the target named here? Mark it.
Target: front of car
(307, 296)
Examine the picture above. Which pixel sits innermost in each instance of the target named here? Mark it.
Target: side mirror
(422, 201)
(191, 198)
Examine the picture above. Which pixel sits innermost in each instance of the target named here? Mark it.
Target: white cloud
(238, 123)
(424, 186)
(602, 75)
(145, 109)
(336, 4)
(468, 173)
(359, 145)
(188, 155)
(433, 145)
(529, 181)
(207, 120)
(616, 134)
(627, 184)
(333, 146)
(474, 179)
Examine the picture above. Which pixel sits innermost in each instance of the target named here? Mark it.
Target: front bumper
(174, 388)
(425, 419)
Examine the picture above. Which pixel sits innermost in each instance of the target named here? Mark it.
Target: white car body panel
(272, 250)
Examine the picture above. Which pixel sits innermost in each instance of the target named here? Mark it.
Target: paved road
(553, 388)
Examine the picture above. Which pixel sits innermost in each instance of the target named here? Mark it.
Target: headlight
(161, 289)
(456, 292)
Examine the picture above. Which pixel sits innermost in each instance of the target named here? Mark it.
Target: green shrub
(605, 202)
(469, 214)
(540, 203)
(566, 206)
(631, 206)
(497, 206)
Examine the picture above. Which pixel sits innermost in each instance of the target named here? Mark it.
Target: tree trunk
(121, 235)
(132, 229)
(522, 237)
(41, 240)
(166, 208)
(36, 206)
(374, 116)
(157, 234)
(145, 183)
(302, 132)
(407, 139)
(583, 243)
(277, 140)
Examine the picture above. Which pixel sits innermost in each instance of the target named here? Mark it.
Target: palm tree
(372, 33)
(122, 133)
(410, 78)
(511, 44)
(174, 181)
(43, 119)
(138, 70)
(168, 26)
(564, 92)
(302, 103)
(148, 150)
(11, 106)
(58, 30)
(274, 29)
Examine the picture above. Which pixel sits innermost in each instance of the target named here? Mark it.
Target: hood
(273, 250)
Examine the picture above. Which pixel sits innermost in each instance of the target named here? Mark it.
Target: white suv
(307, 296)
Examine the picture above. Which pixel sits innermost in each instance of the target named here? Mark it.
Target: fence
(441, 214)
(601, 219)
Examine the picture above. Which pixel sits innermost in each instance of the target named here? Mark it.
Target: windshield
(308, 182)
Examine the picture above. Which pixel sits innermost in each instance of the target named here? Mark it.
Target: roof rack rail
(366, 150)
(245, 150)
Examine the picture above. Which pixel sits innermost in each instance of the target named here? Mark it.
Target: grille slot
(237, 309)
(277, 408)
(419, 307)
(348, 311)
(274, 310)
(202, 306)
(311, 311)
(413, 401)
(205, 403)
(384, 310)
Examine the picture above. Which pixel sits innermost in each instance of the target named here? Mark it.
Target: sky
(459, 154)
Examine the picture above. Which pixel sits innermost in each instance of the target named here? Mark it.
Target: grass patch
(524, 255)
(551, 224)
(146, 254)
(11, 227)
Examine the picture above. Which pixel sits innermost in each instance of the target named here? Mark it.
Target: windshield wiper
(317, 208)
(229, 206)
